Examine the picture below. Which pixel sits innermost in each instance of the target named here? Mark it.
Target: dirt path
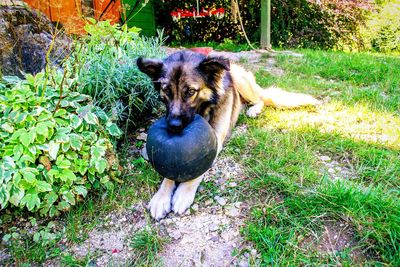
(207, 235)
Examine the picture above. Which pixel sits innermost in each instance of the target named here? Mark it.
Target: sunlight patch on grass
(357, 122)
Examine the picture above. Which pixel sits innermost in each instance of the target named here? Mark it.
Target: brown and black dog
(190, 83)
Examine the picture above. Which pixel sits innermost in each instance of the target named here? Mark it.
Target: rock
(208, 202)
(221, 201)
(232, 184)
(253, 252)
(214, 238)
(213, 227)
(325, 158)
(176, 234)
(143, 152)
(232, 212)
(25, 38)
(142, 137)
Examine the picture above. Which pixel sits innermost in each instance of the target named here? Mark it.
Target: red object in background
(69, 12)
(184, 13)
(202, 50)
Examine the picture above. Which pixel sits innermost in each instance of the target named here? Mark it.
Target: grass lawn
(322, 183)
(321, 175)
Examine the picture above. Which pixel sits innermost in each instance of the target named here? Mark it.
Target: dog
(191, 83)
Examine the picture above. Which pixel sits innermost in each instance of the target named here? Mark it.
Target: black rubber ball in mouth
(185, 155)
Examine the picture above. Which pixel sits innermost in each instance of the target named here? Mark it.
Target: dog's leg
(160, 204)
(184, 195)
(256, 109)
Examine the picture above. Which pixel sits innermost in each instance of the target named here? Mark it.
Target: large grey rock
(25, 38)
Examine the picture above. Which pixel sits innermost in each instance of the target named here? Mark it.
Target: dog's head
(188, 83)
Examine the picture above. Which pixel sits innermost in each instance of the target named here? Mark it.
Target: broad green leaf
(60, 113)
(97, 151)
(76, 142)
(4, 196)
(23, 184)
(63, 163)
(21, 117)
(27, 158)
(18, 150)
(27, 138)
(7, 127)
(50, 198)
(63, 205)
(30, 200)
(29, 177)
(37, 111)
(65, 146)
(17, 134)
(53, 150)
(9, 163)
(45, 116)
(53, 211)
(75, 121)
(43, 186)
(69, 197)
(80, 190)
(61, 137)
(91, 118)
(114, 130)
(17, 178)
(67, 175)
(42, 129)
(100, 165)
(16, 195)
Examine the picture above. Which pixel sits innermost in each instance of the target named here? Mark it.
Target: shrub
(104, 64)
(54, 146)
(294, 23)
(382, 31)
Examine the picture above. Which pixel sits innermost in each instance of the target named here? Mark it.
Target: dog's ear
(214, 65)
(152, 67)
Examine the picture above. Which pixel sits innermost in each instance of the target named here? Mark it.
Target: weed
(146, 244)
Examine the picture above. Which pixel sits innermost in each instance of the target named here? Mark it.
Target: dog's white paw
(183, 198)
(253, 111)
(160, 205)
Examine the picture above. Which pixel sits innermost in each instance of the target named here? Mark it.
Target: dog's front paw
(182, 199)
(160, 205)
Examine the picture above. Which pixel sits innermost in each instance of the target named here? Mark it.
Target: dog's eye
(190, 92)
(167, 90)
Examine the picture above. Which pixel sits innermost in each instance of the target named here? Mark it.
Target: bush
(382, 31)
(54, 146)
(104, 66)
(294, 23)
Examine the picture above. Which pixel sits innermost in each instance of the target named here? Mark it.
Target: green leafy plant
(382, 30)
(34, 243)
(54, 145)
(104, 65)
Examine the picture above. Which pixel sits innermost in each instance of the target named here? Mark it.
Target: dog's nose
(175, 125)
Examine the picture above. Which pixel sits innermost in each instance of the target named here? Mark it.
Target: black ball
(181, 156)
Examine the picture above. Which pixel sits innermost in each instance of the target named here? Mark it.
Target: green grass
(146, 243)
(295, 197)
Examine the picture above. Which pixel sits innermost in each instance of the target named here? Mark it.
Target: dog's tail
(276, 97)
(251, 92)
